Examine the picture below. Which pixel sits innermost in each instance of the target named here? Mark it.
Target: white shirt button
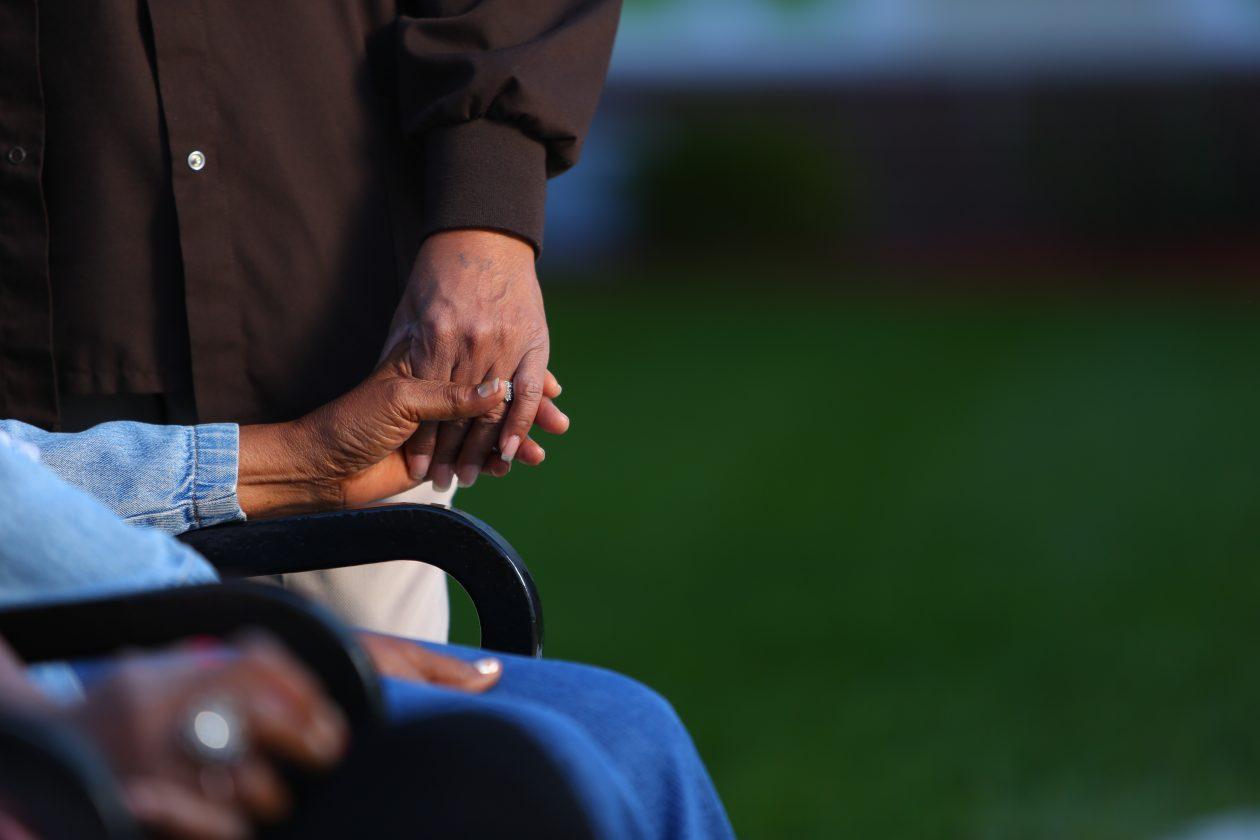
(196, 161)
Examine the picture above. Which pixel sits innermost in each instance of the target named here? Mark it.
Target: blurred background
(914, 366)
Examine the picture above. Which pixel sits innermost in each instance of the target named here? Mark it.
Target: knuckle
(478, 334)
(431, 353)
(452, 398)
(446, 453)
(422, 445)
(436, 324)
(438, 336)
(450, 437)
(529, 389)
(482, 330)
(396, 391)
(493, 417)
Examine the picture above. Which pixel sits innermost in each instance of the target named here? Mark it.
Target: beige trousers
(402, 597)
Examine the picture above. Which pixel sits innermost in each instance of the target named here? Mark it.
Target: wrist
(455, 254)
(276, 474)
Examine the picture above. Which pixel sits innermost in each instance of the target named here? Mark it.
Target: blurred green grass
(935, 569)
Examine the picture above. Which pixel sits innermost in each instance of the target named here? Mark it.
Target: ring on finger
(213, 732)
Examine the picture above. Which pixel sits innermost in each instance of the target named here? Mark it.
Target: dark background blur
(915, 377)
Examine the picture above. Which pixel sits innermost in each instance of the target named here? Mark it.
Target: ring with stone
(213, 732)
(507, 391)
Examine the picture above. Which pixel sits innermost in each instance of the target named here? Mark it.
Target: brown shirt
(224, 197)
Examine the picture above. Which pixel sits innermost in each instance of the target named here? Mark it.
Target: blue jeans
(620, 745)
(623, 745)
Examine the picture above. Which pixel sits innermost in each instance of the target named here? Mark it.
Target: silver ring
(507, 391)
(213, 733)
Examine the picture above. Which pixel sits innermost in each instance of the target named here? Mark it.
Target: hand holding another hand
(349, 452)
(471, 319)
(473, 310)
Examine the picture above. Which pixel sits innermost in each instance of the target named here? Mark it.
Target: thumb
(426, 399)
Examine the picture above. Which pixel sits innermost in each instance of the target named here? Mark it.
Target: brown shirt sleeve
(499, 94)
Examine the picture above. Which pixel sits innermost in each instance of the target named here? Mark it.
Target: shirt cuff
(216, 451)
(484, 174)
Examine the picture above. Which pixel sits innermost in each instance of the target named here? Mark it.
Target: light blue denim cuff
(216, 456)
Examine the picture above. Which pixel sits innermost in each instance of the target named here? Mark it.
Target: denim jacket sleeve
(173, 478)
(57, 542)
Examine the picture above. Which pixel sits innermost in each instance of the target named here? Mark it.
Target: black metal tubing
(461, 545)
(58, 784)
(96, 628)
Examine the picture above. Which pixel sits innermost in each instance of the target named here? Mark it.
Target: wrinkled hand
(550, 419)
(473, 311)
(136, 714)
(407, 660)
(349, 452)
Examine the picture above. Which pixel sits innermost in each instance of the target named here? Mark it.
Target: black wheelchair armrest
(55, 784)
(96, 628)
(481, 561)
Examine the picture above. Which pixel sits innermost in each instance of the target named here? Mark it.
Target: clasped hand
(473, 311)
(349, 452)
(471, 319)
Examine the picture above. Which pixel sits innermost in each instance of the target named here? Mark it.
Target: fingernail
(488, 666)
(468, 476)
(442, 476)
(490, 386)
(509, 449)
(417, 466)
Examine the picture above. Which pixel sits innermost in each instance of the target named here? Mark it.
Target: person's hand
(403, 659)
(550, 419)
(473, 311)
(349, 452)
(137, 716)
